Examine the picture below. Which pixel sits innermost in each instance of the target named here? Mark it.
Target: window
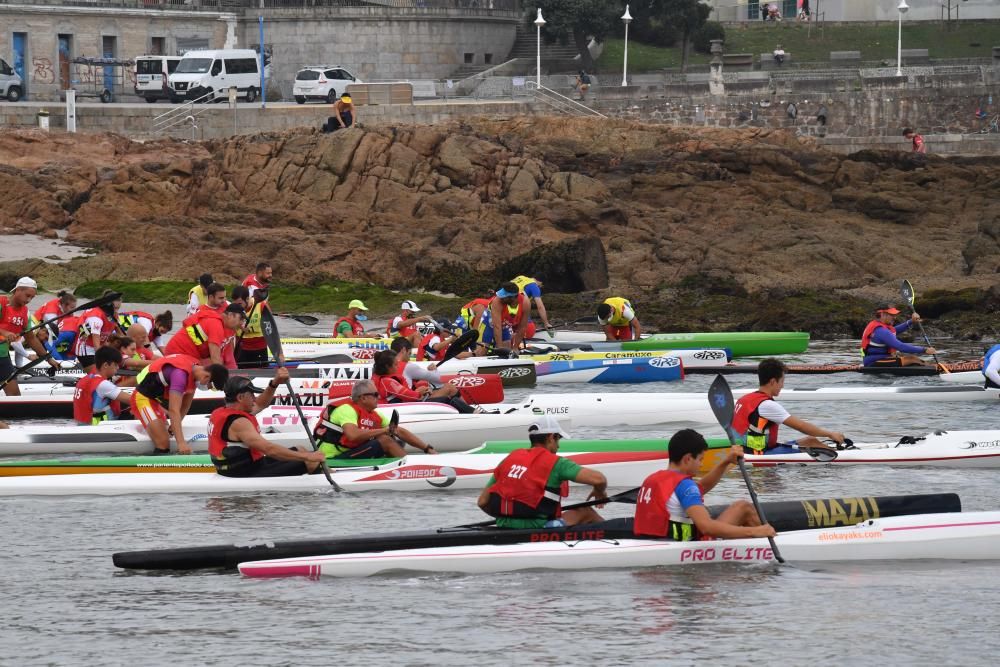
(158, 46)
(488, 58)
(307, 75)
(470, 58)
(241, 66)
(194, 65)
(172, 65)
(216, 68)
(148, 66)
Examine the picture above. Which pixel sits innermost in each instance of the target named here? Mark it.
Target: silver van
(11, 85)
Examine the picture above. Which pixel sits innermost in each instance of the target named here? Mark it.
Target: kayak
(689, 358)
(624, 463)
(965, 377)
(945, 394)
(203, 463)
(783, 515)
(611, 371)
(941, 449)
(953, 536)
(739, 343)
(955, 372)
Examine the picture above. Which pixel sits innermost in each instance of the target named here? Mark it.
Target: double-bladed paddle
(906, 292)
(269, 328)
(28, 366)
(458, 346)
(103, 301)
(720, 397)
(307, 320)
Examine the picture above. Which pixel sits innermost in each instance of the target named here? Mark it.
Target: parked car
(11, 85)
(152, 74)
(216, 71)
(322, 82)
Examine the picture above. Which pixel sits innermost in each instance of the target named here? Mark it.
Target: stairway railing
(560, 102)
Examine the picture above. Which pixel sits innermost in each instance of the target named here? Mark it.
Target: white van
(10, 82)
(152, 74)
(202, 72)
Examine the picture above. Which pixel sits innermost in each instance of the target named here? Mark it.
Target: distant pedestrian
(779, 55)
(918, 141)
(821, 115)
(343, 116)
(583, 84)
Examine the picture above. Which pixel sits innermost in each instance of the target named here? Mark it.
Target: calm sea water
(65, 604)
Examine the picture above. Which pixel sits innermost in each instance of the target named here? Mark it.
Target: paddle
(104, 300)
(458, 346)
(28, 366)
(269, 328)
(623, 497)
(906, 291)
(720, 397)
(307, 320)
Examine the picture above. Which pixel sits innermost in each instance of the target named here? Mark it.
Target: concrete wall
(867, 10)
(133, 30)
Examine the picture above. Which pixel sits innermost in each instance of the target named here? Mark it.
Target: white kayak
(690, 358)
(416, 472)
(945, 449)
(960, 536)
(948, 394)
(963, 377)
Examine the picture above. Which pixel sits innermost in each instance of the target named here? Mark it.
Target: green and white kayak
(739, 343)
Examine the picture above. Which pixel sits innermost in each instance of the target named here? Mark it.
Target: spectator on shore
(343, 115)
(918, 141)
(779, 55)
(763, 11)
(822, 114)
(583, 84)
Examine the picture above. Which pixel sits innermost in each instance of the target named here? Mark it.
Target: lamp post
(902, 7)
(626, 19)
(539, 22)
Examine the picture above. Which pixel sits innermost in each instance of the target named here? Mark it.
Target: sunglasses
(373, 393)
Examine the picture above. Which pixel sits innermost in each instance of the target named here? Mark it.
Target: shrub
(703, 37)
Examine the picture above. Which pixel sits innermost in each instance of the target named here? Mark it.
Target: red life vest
(83, 401)
(218, 437)
(485, 303)
(251, 283)
(194, 337)
(152, 383)
(866, 339)
(519, 311)
(14, 320)
(760, 433)
(327, 431)
(405, 331)
(386, 394)
(521, 490)
(108, 329)
(357, 329)
(51, 307)
(651, 514)
(70, 323)
(424, 353)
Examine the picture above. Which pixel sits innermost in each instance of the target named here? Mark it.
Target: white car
(322, 82)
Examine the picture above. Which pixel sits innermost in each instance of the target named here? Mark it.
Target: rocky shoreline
(703, 229)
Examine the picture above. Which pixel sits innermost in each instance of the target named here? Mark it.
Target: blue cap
(504, 294)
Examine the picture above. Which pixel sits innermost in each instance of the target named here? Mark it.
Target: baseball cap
(26, 282)
(235, 308)
(410, 306)
(357, 303)
(887, 308)
(504, 294)
(237, 385)
(346, 97)
(545, 425)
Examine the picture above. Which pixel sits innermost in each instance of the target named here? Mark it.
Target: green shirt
(344, 330)
(564, 470)
(346, 414)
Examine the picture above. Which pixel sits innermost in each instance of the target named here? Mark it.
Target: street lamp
(902, 7)
(539, 22)
(626, 19)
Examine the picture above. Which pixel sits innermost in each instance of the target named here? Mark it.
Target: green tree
(686, 16)
(577, 21)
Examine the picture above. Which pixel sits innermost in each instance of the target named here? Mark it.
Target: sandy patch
(28, 246)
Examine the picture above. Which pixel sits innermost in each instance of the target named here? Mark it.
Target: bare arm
(542, 314)
(595, 479)
(243, 430)
(32, 340)
(636, 328)
(609, 332)
(802, 426)
(176, 411)
(496, 315)
(411, 439)
(708, 526)
(356, 433)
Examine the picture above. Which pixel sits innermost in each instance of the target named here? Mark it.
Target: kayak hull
(964, 536)
(611, 371)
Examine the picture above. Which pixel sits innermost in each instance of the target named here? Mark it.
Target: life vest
(125, 320)
(194, 340)
(522, 282)
(424, 352)
(868, 346)
(151, 383)
(357, 329)
(513, 315)
(229, 454)
(51, 307)
(71, 323)
(396, 333)
(384, 394)
(12, 319)
(83, 401)
(651, 514)
(521, 491)
(253, 337)
(252, 284)
(108, 328)
(329, 432)
(198, 291)
(760, 433)
(618, 305)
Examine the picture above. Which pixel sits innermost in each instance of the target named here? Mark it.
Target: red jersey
(83, 401)
(392, 387)
(197, 331)
(93, 322)
(51, 307)
(12, 319)
(424, 352)
(252, 284)
(651, 514)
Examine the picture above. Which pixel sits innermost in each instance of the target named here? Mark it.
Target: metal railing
(471, 6)
(182, 113)
(560, 102)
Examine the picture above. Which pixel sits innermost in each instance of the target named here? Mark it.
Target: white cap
(410, 306)
(545, 425)
(26, 282)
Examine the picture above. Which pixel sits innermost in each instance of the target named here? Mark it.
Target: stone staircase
(555, 57)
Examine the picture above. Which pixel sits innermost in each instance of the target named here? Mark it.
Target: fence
(465, 6)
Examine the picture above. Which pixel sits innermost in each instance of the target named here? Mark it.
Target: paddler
(143, 348)
(14, 320)
(991, 367)
(405, 324)
(198, 295)
(251, 347)
(96, 397)
(234, 441)
(156, 326)
(350, 325)
(63, 303)
(204, 334)
(471, 314)
(758, 416)
(388, 376)
(260, 279)
(434, 345)
(532, 288)
(355, 430)
(172, 381)
(880, 346)
(671, 502)
(504, 322)
(617, 316)
(526, 489)
(97, 326)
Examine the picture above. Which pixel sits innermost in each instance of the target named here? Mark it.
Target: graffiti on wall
(43, 72)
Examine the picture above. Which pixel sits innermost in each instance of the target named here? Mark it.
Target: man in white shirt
(779, 55)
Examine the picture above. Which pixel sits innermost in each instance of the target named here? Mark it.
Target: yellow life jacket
(618, 305)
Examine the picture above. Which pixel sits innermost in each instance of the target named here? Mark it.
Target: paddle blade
(307, 320)
(906, 292)
(269, 328)
(394, 420)
(821, 454)
(720, 397)
(460, 345)
(104, 300)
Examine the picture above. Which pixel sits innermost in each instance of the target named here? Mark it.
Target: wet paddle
(458, 347)
(269, 328)
(906, 291)
(28, 366)
(623, 497)
(720, 397)
(307, 320)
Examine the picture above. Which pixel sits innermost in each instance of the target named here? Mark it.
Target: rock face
(446, 206)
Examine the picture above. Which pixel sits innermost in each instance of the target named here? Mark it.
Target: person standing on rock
(13, 322)
(618, 318)
(918, 141)
(880, 345)
(350, 325)
(532, 288)
(198, 295)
